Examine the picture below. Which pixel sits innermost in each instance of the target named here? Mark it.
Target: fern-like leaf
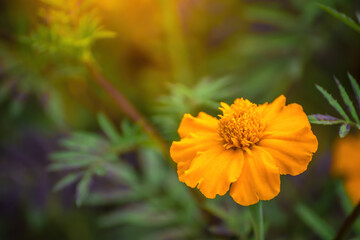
(342, 17)
(333, 102)
(355, 87)
(347, 101)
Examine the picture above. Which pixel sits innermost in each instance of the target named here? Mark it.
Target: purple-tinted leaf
(324, 119)
(344, 130)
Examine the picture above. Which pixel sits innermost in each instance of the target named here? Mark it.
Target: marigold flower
(249, 146)
(346, 163)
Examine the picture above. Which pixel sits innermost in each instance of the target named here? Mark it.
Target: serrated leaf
(355, 87)
(344, 130)
(66, 181)
(123, 172)
(82, 189)
(347, 101)
(333, 102)
(154, 171)
(341, 16)
(324, 119)
(84, 142)
(70, 164)
(312, 220)
(139, 215)
(108, 128)
(66, 156)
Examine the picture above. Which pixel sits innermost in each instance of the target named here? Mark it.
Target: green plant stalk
(256, 213)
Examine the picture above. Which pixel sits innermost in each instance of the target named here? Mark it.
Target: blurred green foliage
(167, 58)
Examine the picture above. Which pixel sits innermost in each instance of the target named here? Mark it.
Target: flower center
(241, 124)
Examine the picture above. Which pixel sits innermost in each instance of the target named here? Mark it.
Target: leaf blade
(355, 87)
(333, 102)
(341, 16)
(66, 181)
(347, 101)
(314, 222)
(324, 119)
(82, 189)
(108, 128)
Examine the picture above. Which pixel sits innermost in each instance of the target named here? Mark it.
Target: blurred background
(78, 162)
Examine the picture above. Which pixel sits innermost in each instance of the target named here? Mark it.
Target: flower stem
(348, 223)
(257, 220)
(125, 105)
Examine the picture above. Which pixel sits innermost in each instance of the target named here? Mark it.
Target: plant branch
(126, 106)
(348, 223)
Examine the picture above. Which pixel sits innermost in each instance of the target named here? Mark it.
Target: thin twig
(126, 106)
(348, 223)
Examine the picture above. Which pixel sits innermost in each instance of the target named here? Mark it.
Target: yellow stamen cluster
(240, 125)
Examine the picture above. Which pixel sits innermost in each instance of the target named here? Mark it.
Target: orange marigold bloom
(346, 163)
(249, 146)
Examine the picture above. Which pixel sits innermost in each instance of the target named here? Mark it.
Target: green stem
(257, 220)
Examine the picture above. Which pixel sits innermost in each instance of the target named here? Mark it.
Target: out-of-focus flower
(249, 146)
(346, 164)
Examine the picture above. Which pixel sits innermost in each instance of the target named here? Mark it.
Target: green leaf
(312, 220)
(55, 108)
(154, 171)
(84, 142)
(347, 101)
(66, 156)
(344, 199)
(123, 172)
(71, 164)
(100, 170)
(333, 102)
(344, 130)
(324, 119)
(108, 128)
(82, 189)
(355, 87)
(341, 16)
(140, 215)
(65, 181)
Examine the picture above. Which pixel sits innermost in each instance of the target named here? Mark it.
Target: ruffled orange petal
(214, 170)
(203, 123)
(270, 111)
(289, 139)
(259, 179)
(197, 134)
(185, 150)
(352, 186)
(346, 160)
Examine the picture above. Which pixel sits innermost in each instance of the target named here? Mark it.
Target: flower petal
(185, 150)
(346, 161)
(352, 186)
(203, 123)
(214, 169)
(270, 111)
(289, 139)
(259, 180)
